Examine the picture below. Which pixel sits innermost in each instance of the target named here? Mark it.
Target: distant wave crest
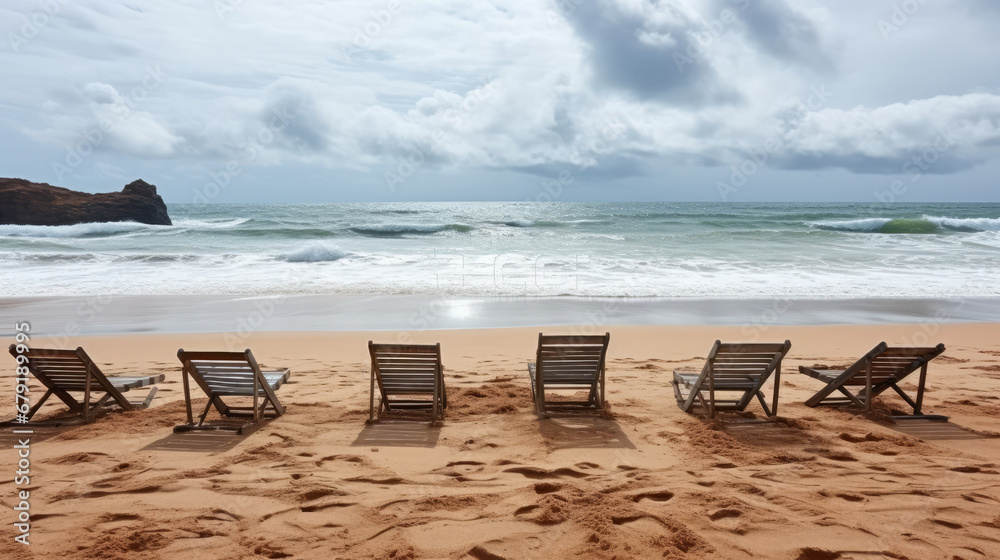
(546, 223)
(925, 224)
(387, 230)
(966, 224)
(868, 224)
(107, 229)
(97, 229)
(212, 224)
(317, 252)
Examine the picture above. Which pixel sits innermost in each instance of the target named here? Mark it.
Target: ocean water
(664, 250)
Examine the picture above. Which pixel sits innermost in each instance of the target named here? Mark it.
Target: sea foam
(317, 252)
(97, 229)
(384, 230)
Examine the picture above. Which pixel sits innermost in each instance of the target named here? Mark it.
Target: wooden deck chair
(408, 377)
(733, 367)
(569, 363)
(72, 371)
(880, 369)
(231, 374)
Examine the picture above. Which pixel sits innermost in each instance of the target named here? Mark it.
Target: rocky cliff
(25, 203)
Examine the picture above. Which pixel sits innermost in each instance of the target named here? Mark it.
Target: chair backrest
(222, 373)
(406, 369)
(889, 363)
(571, 360)
(64, 370)
(756, 360)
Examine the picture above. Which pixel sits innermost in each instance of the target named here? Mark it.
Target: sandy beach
(641, 480)
(759, 186)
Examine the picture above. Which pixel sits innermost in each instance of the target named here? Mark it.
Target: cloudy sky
(316, 101)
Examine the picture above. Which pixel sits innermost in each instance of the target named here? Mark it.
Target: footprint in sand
(817, 554)
(655, 496)
(971, 469)
(547, 487)
(851, 497)
(724, 513)
(833, 455)
(535, 472)
(310, 495)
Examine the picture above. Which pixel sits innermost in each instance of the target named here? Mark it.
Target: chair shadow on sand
(398, 432)
(767, 435)
(566, 430)
(936, 430)
(202, 441)
(9, 439)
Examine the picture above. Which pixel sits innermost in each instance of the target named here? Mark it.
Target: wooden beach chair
(63, 372)
(880, 369)
(231, 374)
(733, 367)
(409, 377)
(574, 363)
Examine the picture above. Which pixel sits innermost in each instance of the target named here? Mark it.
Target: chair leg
(187, 395)
(920, 388)
(148, 399)
(603, 384)
(851, 396)
(39, 404)
(201, 419)
(704, 404)
(777, 385)
(100, 402)
(909, 401)
(868, 388)
(763, 404)
(371, 398)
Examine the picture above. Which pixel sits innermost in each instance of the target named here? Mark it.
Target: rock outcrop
(25, 203)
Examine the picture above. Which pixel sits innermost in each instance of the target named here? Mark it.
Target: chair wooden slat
(230, 374)
(401, 372)
(569, 363)
(63, 372)
(881, 369)
(732, 367)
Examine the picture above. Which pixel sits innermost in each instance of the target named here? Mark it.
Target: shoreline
(673, 343)
(72, 316)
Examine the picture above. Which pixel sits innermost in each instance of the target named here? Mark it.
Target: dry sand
(642, 480)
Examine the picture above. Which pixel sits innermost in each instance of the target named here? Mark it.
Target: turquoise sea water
(703, 250)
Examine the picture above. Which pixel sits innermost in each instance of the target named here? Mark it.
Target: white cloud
(512, 84)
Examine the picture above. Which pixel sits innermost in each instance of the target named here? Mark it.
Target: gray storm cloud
(526, 86)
